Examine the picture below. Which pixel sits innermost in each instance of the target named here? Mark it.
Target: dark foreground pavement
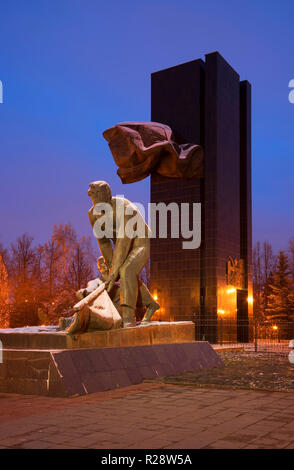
(150, 416)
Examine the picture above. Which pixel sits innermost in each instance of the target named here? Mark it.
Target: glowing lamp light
(221, 312)
(275, 327)
(231, 290)
(155, 296)
(250, 299)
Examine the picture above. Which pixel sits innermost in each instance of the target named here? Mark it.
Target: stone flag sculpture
(139, 148)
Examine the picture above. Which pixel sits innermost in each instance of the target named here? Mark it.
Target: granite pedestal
(45, 361)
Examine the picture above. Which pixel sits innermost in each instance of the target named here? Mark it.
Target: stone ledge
(82, 371)
(49, 338)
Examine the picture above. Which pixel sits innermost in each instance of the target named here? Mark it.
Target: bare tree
(81, 268)
(65, 238)
(268, 260)
(291, 257)
(22, 284)
(68, 266)
(22, 256)
(4, 294)
(43, 279)
(5, 256)
(51, 274)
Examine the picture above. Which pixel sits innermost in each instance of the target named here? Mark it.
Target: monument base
(71, 371)
(51, 337)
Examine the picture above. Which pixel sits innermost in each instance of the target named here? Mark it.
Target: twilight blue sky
(72, 68)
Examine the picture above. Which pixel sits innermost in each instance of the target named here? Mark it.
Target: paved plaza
(150, 416)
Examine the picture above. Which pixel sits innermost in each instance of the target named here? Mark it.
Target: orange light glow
(275, 327)
(231, 290)
(221, 312)
(250, 299)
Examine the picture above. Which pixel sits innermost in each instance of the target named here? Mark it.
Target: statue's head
(102, 267)
(99, 191)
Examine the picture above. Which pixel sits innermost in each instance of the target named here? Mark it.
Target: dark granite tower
(205, 103)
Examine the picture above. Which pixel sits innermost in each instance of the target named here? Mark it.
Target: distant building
(205, 103)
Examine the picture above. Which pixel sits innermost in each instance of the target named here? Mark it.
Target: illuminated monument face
(205, 103)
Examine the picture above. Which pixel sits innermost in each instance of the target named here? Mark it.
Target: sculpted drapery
(140, 148)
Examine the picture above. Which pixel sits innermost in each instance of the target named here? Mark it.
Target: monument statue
(94, 312)
(95, 309)
(144, 298)
(110, 301)
(95, 283)
(139, 148)
(125, 254)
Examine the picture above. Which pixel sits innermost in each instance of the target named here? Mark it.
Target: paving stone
(173, 435)
(36, 445)
(251, 446)
(290, 446)
(14, 441)
(154, 443)
(243, 436)
(289, 427)
(188, 443)
(61, 446)
(282, 434)
(267, 443)
(225, 444)
(203, 420)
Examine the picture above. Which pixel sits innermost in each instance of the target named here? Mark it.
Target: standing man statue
(130, 250)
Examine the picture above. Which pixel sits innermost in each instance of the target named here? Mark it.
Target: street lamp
(276, 328)
(231, 290)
